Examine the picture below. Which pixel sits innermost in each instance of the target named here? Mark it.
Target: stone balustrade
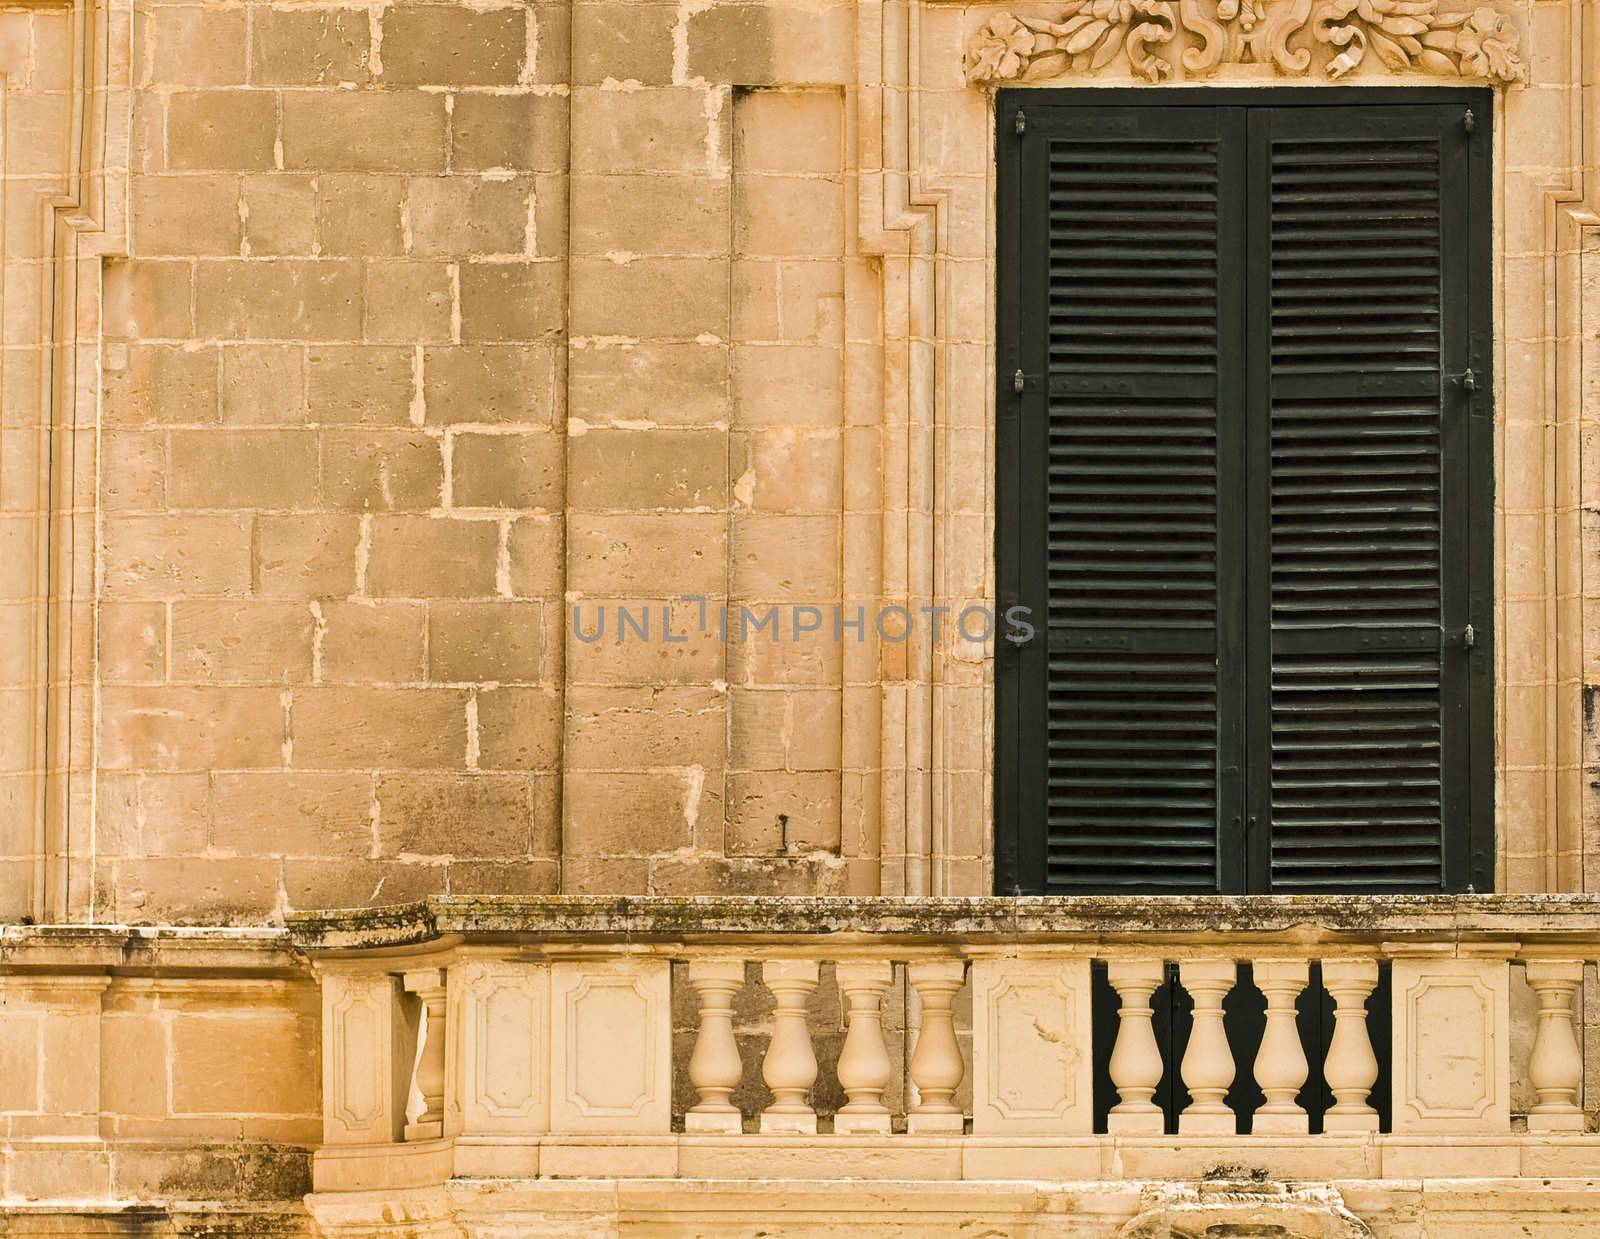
(487, 1039)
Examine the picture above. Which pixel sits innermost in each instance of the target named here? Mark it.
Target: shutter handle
(1465, 639)
(1468, 381)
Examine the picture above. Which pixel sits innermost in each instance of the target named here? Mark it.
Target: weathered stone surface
(372, 340)
(1244, 1208)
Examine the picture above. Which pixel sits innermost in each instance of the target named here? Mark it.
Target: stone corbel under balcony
(550, 1054)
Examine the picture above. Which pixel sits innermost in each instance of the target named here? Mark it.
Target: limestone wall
(331, 477)
(349, 347)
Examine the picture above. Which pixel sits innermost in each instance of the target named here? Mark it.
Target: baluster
(936, 1066)
(1281, 1068)
(1351, 1068)
(1556, 1067)
(1207, 1066)
(714, 1067)
(864, 1068)
(790, 1068)
(1135, 1065)
(428, 985)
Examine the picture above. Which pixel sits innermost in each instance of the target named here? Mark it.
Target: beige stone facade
(354, 354)
(359, 361)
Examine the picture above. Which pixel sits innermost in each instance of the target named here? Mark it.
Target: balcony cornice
(1304, 920)
(974, 925)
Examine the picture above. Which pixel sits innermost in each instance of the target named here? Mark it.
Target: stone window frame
(926, 173)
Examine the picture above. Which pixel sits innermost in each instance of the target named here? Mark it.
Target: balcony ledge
(1303, 920)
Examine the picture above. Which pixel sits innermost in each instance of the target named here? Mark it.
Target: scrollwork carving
(1088, 37)
(1405, 36)
(1414, 35)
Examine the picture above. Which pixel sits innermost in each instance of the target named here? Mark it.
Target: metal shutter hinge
(1468, 381)
(1020, 123)
(1469, 638)
(1469, 122)
(1019, 382)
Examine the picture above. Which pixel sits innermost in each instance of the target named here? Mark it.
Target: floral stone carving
(1400, 35)
(1088, 37)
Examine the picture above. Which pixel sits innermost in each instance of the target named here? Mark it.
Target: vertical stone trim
(1571, 670)
(66, 72)
(898, 228)
(925, 186)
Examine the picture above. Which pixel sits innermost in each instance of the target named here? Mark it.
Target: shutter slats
(1130, 515)
(1242, 329)
(1356, 514)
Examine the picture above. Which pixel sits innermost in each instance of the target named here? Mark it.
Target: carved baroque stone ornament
(1246, 1207)
(1400, 35)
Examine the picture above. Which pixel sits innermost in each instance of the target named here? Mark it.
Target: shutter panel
(1136, 215)
(1360, 222)
(1244, 495)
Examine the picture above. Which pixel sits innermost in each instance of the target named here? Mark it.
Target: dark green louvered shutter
(1240, 472)
(1362, 496)
(1130, 347)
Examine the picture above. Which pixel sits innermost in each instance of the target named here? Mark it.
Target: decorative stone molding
(1404, 36)
(1088, 37)
(363, 1076)
(63, 192)
(1032, 1015)
(1452, 1017)
(1413, 35)
(1244, 1206)
(617, 1004)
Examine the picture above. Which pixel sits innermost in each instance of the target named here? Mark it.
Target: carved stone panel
(361, 1100)
(610, 1047)
(502, 1047)
(1452, 1038)
(1031, 1046)
(1245, 1209)
(1157, 40)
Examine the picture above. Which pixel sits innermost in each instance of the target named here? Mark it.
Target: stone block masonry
(348, 348)
(429, 321)
(381, 337)
(327, 626)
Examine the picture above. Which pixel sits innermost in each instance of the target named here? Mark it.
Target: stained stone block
(1032, 1046)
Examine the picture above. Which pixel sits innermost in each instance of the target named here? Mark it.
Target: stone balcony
(473, 1048)
(523, 1069)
